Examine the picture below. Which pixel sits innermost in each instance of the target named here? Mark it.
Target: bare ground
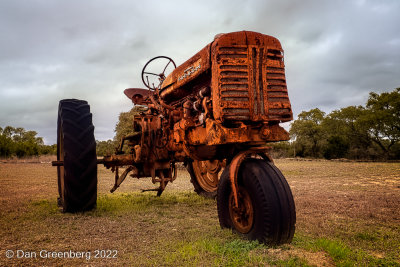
(355, 203)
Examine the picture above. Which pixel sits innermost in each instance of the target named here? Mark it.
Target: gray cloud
(336, 52)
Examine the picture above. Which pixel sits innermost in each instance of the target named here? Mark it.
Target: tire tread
(273, 204)
(80, 161)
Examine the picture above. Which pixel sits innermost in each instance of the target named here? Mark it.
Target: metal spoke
(151, 73)
(166, 66)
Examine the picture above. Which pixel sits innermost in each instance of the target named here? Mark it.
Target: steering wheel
(156, 80)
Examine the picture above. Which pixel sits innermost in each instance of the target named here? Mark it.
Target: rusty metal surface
(250, 79)
(182, 81)
(215, 133)
(207, 174)
(242, 214)
(224, 103)
(246, 72)
(235, 165)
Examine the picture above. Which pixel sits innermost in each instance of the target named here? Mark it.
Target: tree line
(21, 143)
(371, 131)
(123, 128)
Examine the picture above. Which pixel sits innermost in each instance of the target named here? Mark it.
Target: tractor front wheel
(265, 210)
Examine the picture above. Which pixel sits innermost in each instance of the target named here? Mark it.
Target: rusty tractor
(218, 110)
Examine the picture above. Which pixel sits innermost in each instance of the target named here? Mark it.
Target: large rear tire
(204, 176)
(266, 209)
(76, 147)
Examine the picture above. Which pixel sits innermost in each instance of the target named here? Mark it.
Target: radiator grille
(252, 84)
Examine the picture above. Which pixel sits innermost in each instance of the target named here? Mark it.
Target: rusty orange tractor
(219, 109)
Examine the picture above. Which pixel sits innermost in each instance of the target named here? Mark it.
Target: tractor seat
(138, 96)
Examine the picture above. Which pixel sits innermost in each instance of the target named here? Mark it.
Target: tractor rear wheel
(76, 148)
(204, 176)
(266, 210)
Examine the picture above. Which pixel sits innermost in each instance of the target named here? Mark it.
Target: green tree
(337, 147)
(371, 132)
(6, 145)
(18, 134)
(346, 128)
(8, 131)
(124, 125)
(104, 148)
(19, 142)
(48, 149)
(308, 133)
(383, 120)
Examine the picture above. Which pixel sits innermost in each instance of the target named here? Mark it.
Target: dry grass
(344, 209)
(32, 159)
(358, 203)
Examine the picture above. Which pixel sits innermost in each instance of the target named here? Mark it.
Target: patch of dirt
(313, 258)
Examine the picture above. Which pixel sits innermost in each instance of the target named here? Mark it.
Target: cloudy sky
(336, 52)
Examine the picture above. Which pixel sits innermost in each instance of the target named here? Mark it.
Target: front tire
(266, 210)
(76, 147)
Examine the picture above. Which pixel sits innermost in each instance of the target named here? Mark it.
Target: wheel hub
(207, 174)
(242, 216)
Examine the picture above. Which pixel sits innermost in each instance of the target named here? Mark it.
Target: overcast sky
(336, 52)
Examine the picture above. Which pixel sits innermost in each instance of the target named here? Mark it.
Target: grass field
(348, 213)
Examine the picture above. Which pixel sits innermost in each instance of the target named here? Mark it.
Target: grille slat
(236, 110)
(277, 87)
(233, 67)
(234, 80)
(234, 73)
(235, 98)
(236, 49)
(275, 69)
(275, 75)
(237, 117)
(233, 55)
(235, 93)
(276, 81)
(234, 85)
(278, 99)
(278, 110)
(276, 94)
